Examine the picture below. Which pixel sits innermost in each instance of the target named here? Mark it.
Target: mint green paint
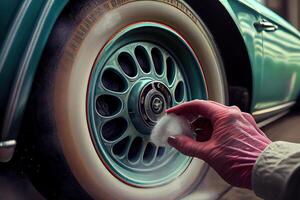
(280, 82)
(274, 56)
(159, 168)
(245, 15)
(25, 27)
(7, 14)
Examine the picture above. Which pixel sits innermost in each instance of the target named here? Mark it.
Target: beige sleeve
(276, 174)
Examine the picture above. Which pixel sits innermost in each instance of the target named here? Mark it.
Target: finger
(187, 146)
(197, 107)
(188, 116)
(186, 110)
(217, 103)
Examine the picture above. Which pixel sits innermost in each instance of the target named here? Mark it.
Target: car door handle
(264, 25)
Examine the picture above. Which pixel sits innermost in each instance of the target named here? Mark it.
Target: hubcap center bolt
(157, 104)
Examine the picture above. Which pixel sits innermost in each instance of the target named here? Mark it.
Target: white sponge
(169, 125)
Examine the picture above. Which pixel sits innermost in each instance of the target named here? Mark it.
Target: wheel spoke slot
(157, 58)
(142, 58)
(160, 152)
(113, 80)
(179, 92)
(170, 70)
(114, 129)
(135, 149)
(127, 63)
(108, 105)
(120, 148)
(149, 153)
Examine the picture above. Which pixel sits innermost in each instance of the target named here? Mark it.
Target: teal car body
(274, 54)
(272, 46)
(25, 26)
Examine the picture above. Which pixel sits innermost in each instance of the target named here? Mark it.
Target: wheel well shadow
(232, 49)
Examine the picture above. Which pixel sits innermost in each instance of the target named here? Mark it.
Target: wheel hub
(154, 98)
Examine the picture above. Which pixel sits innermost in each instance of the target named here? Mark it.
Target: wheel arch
(238, 71)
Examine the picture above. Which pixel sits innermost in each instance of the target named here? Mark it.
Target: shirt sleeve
(276, 174)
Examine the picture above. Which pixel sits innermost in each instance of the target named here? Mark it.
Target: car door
(246, 14)
(281, 60)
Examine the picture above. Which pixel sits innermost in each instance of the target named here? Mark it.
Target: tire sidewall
(101, 22)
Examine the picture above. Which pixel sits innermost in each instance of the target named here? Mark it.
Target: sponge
(170, 125)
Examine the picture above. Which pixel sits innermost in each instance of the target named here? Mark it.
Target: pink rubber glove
(230, 141)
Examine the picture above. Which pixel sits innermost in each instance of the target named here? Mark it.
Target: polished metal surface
(264, 25)
(7, 149)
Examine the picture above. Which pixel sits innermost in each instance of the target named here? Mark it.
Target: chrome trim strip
(272, 119)
(274, 109)
(8, 144)
(7, 149)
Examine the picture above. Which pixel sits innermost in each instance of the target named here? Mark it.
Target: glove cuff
(274, 168)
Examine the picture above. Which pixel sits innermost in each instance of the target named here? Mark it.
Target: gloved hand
(230, 141)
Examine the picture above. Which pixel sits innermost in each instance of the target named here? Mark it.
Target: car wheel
(109, 71)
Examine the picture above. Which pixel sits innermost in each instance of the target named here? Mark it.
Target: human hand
(228, 139)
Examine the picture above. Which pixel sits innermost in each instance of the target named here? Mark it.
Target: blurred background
(288, 9)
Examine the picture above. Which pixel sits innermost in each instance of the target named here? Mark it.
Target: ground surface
(15, 186)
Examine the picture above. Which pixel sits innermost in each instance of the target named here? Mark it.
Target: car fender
(26, 27)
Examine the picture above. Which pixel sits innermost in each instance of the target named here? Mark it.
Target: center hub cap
(154, 99)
